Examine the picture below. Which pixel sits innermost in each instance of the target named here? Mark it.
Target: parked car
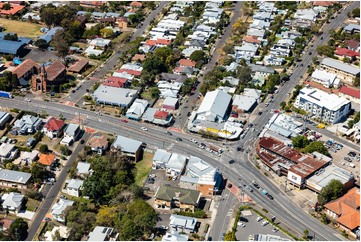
(178, 139)
(124, 120)
(249, 189)
(231, 161)
(269, 196)
(256, 185)
(264, 192)
(352, 154)
(240, 224)
(274, 230)
(264, 223)
(259, 218)
(167, 132)
(144, 128)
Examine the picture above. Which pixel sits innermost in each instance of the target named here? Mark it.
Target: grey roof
(4, 118)
(256, 32)
(176, 162)
(182, 221)
(126, 144)
(197, 43)
(186, 196)
(351, 27)
(175, 237)
(232, 80)
(170, 101)
(100, 233)
(340, 66)
(215, 102)
(250, 92)
(12, 199)
(12, 47)
(48, 36)
(71, 129)
(27, 122)
(114, 95)
(59, 207)
(112, 14)
(173, 77)
(98, 14)
(197, 167)
(137, 109)
(148, 115)
(264, 69)
(162, 156)
(14, 176)
(75, 184)
(244, 102)
(83, 167)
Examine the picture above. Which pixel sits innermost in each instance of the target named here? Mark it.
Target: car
(178, 139)
(73, 91)
(87, 90)
(47, 219)
(144, 128)
(270, 196)
(82, 141)
(301, 64)
(239, 148)
(124, 120)
(259, 113)
(256, 185)
(248, 188)
(321, 37)
(241, 224)
(259, 218)
(352, 154)
(231, 161)
(27, 100)
(194, 141)
(229, 185)
(264, 223)
(209, 238)
(243, 219)
(264, 192)
(310, 53)
(266, 104)
(169, 133)
(223, 236)
(167, 185)
(308, 66)
(274, 230)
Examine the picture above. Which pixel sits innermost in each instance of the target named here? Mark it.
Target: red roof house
(352, 44)
(130, 72)
(324, 3)
(114, 81)
(186, 62)
(251, 39)
(347, 53)
(54, 127)
(349, 92)
(161, 115)
(136, 4)
(14, 9)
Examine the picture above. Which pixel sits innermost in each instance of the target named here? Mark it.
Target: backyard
(143, 168)
(22, 29)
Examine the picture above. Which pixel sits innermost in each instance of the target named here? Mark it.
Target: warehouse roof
(341, 66)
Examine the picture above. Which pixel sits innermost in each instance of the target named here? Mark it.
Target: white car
(264, 223)
(241, 224)
(27, 100)
(259, 219)
(194, 141)
(144, 128)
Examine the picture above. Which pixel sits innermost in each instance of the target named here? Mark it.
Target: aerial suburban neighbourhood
(179, 120)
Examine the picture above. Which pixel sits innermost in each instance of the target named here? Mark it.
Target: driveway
(26, 214)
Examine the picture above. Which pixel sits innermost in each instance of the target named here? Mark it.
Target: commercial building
(137, 109)
(345, 72)
(327, 107)
(121, 97)
(284, 125)
(182, 224)
(4, 118)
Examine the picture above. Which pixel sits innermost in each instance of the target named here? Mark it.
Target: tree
(154, 92)
(41, 44)
(332, 191)
(106, 216)
(316, 146)
(198, 55)
(356, 13)
(305, 234)
(229, 236)
(106, 32)
(300, 141)
(38, 172)
(325, 50)
(6, 6)
(56, 236)
(163, 53)
(43, 148)
(18, 230)
(244, 74)
(11, 37)
(65, 150)
(228, 49)
(154, 65)
(356, 81)
(60, 43)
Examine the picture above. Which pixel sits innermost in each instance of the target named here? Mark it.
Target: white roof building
(137, 109)
(306, 14)
(58, 209)
(325, 78)
(12, 200)
(233, 81)
(181, 223)
(200, 172)
(175, 164)
(214, 106)
(122, 97)
(161, 158)
(284, 125)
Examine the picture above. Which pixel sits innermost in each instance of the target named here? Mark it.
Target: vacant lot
(22, 29)
(143, 168)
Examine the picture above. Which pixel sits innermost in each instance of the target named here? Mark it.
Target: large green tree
(300, 141)
(18, 230)
(333, 190)
(317, 146)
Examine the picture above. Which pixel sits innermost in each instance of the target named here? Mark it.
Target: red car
(124, 120)
(276, 111)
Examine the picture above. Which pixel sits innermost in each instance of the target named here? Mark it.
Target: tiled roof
(98, 141)
(186, 196)
(14, 8)
(114, 81)
(346, 52)
(131, 72)
(46, 159)
(151, 42)
(324, 3)
(54, 70)
(78, 66)
(280, 148)
(138, 57)
(54, 124)
(161, 114)
(136, 4)
(352, 43)
(164, 41)
(350, 91)
(186, 62)
(251, 39)
(24, 67)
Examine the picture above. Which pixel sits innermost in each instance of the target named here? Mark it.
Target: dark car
(73, 91)
(229, 185)
(223, 236)
(82, 141)
(352, 154)
(321, 37)
(310, 53)
(243, 219)
(269, 196)
(178, 139)
(256, 185)
(209, 239)
(231, 161)
(168, 133)
(259, 113)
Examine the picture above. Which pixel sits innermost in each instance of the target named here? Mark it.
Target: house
(114, 81)
(344, 52)
(27, 124)
(352, 28)
(62, 230)
(346, 211)
(214, 107)
(25, 71)
(138, 57)
(169, 237)
(135, 4)
(156, 116)
(54, 128)
(353, 44)
(264, 16)
(14, 9)
(252, 40)
(73, 187)
(187, 62)
(201, 176)
(98, 143)
(326, 79)
(183, 224)
(350, 94)
(346, 73)
(260, 24)
(168, 77)
(280, 50)
(4, 118)
(169, 89)
(167, 197)
(175, 165)
(92, 4)
(160, 159)
(199, 44)
(181, 70)
(5, 224)
(79, 66)
(48, 36)
(290, 34)
(12, 201)
(187, 52)
(300, 23)
(72, 131)
(270, 60)
(137, 109)
(49, 77)
(47, 159)
(128, 147)
(10, 178)
(83, 169)
(122, 23)
(262, 70)
(231, 80)
(100, 233)
(8, 151)
(247, 51)
(323, 3)
(306, 14)
(122, 97)
(57, 210)
(232, 67)
(29, 157)
(170, 103)
(327, 107)
(97, 46)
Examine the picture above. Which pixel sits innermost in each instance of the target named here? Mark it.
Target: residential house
(74, 187)
(62, 230)
(138, 58)
(5, 224)
(187, 52)
(27, 124)
(47, 159)
(270, 60)
(98, 143)
(57, 210)
(264, 71)
(79, 66)
(8, 152)
(174, 236)
(353, 44)
(167, 197)
(135, 4)
(13, 10)
(345, 72)
(252, 40)
(183, 224)
(352, 28)
(4, 118)
(72, 132)
(306, 14)
(156, 116)
(122, 23)
(187, 71)
(326, 79)
(342, 53)
(49, 78)
(198, 44)
(12, 201)
(83, 169)
(170, 103)
(187, 62)
(201, 176)
(349, 93)
(128, 147)
(259, 24)
(114, 81)
(29, 157)
(169, 89)
(231, 80)
(247, 51)
(280, 50)
(175, 165)
(232, 67)
(25, 71)
(327, 107)
(10, 178)
(168, 77)
(290, 34)
(263, 16)
(49, 34)
(346, 211)
(97, 46)
(160, 159)
(54, 128)
(100, 233)
(214, 107)
(137, 109)
(301, 23)
(122, 97)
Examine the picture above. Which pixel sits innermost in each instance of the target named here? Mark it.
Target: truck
(5, 94)
(215, 149)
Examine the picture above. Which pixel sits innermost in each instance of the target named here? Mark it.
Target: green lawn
(143, 168)
(31, 204)
(22, 29)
